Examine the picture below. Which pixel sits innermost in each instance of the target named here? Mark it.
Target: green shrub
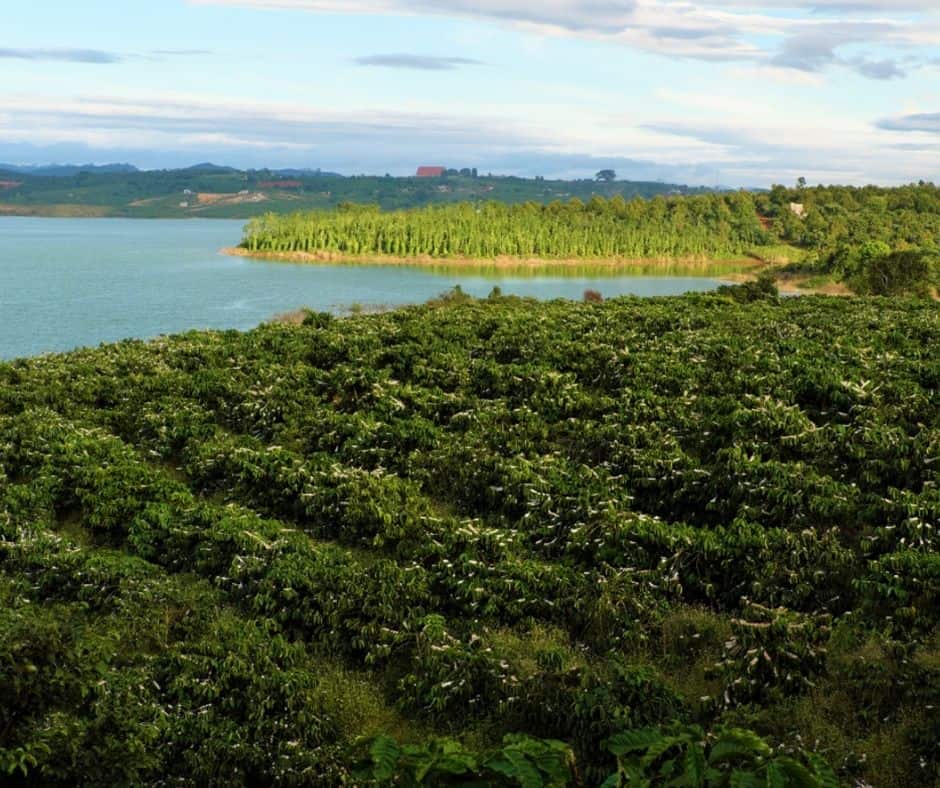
(763, 288)
(907, 272)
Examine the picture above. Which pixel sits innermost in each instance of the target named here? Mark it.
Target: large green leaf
(793, 774)
(634, 741)
(385, 753)
(735, 744)
(694, 767)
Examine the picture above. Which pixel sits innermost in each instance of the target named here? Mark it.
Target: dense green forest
(685, 541)
(706, 226)
(836, 216)
(218, 192)
(877, 241)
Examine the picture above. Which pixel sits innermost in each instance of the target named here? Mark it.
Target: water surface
(66, 283)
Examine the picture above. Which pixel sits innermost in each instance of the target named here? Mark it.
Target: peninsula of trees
(876, 239)
(707, 226)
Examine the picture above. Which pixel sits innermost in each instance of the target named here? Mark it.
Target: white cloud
(416, 62)
(687, 137)
(870, 6)
(715, 30)
(174, 121)
(926, 122)
(91, 56)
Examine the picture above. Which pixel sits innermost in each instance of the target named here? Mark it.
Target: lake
(66, 283)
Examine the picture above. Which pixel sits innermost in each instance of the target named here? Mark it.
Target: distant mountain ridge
(66, 170)
(70, 170)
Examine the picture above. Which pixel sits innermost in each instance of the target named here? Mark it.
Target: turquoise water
(66, 283)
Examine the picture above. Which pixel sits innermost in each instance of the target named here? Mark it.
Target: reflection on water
(589, 270)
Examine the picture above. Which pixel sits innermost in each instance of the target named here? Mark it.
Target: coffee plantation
(682, 541)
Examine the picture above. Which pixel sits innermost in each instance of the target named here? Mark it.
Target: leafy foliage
(856, 218)
(228, 558)
(772, 651)
(713, 225)
(727, 757)
(521, 761)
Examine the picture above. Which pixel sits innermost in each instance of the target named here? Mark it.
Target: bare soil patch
(205, 199)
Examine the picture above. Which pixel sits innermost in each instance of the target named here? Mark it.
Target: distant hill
(66, 170)
(206, 166)
(301, 173)
(211, 190)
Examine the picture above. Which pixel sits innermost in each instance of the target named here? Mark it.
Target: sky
(708, 92)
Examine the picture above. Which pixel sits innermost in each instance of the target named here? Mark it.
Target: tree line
(839, 216)
(714, 225)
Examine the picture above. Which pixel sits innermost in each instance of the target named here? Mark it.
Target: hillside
(480, 542)
(221, 192)
(66, 170)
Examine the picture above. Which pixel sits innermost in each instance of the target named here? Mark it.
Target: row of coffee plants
(548, 533)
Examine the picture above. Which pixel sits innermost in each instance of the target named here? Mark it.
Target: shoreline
(740, 265)
(790, 284)
(735, 271)
(99, 212)
(59, 211)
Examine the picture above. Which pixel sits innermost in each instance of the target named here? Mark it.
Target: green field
(235, 194)
(490, 542)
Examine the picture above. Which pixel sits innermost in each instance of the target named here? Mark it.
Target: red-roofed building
(430, 172)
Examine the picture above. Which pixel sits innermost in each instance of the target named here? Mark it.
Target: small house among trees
(430, 172)
(798, 209)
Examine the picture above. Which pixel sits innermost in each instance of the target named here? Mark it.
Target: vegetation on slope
(840, 216)
(228, 193)
(875, 241)
(517, 543)
(706, 226)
